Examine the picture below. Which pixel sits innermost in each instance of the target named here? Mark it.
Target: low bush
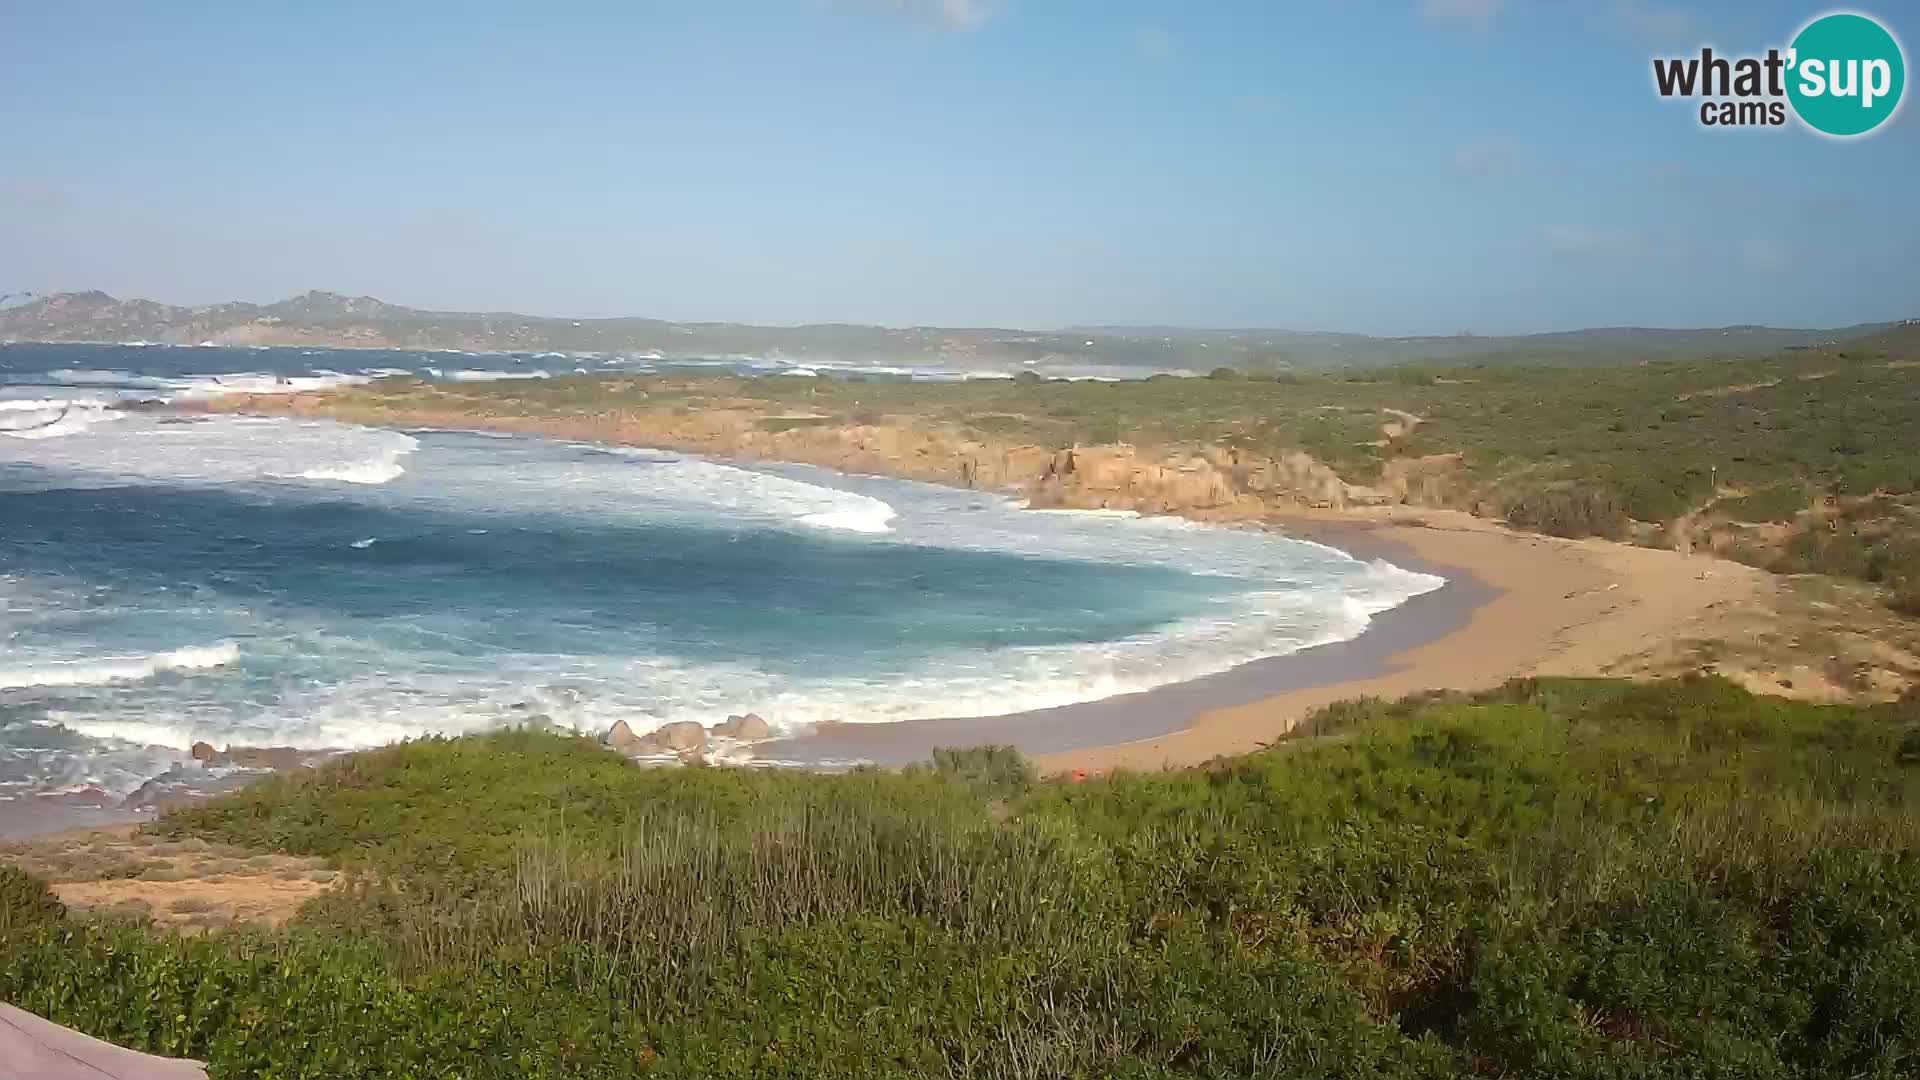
(1781, 502)
(1573, 512)
(1580, 878)
(25, 899)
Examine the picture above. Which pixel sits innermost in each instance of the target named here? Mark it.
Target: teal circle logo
(1845, 74)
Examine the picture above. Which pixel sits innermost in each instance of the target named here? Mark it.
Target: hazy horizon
(1392, 168)
(9, 300)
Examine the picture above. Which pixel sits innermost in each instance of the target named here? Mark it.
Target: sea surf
(167, 579)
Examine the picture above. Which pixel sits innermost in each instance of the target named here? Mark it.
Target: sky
(1375, 166)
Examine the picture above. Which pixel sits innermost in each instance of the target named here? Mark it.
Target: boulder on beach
(681, 736)
(622, 738)
(275, 758)
(202, 751)
(749, 728)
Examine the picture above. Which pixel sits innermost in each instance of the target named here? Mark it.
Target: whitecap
(114, 669)
(864, 519)
(202, 387)
(362, 472)
(50, 418)
(493, 376)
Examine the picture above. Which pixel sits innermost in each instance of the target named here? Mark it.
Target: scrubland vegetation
(1560, 878)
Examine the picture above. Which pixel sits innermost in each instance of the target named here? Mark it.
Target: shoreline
(1554, 607)
(1069, 732)
(1516, 603)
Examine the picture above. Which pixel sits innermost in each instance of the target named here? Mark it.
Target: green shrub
(1782, 502)
(25, 899)
(1586, 878)
(1001, 769)
(1570, 512)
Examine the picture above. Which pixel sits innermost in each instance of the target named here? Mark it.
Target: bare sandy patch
(179, 884)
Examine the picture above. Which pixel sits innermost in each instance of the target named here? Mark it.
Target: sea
(169, 578)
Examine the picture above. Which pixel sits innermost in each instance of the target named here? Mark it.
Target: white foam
(202, 387)
(711, 484)
(643, 453)
(380, 469)
(862, 520)
(210, 450)
(50, 418)
(117, 669)
(363, 472)
(655, 482)
(494, 376)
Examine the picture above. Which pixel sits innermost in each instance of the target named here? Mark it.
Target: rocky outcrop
(749, 728)
(680, 737)
(275, 758)
(621, 737)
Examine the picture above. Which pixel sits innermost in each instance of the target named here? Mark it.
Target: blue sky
(1382, 166)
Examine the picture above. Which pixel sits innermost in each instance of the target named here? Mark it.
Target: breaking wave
(50, 419)
(117, 669)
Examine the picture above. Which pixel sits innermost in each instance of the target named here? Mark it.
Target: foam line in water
(50, 418)
(494, 376)
(864, 519)
(215, 450)
(201, 387)
(361, 472)
(118, 668)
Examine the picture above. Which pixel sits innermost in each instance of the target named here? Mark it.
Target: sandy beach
(1560, 607)
(1515, 604)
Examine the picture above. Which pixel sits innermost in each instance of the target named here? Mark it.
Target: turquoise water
(287, 582)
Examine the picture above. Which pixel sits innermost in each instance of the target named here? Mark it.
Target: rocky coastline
(1206, 483)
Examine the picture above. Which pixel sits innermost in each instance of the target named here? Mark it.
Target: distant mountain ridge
(334, 320)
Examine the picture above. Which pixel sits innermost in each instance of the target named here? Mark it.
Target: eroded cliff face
(1212, 483)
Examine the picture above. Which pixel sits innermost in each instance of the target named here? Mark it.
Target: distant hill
(333, 320)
